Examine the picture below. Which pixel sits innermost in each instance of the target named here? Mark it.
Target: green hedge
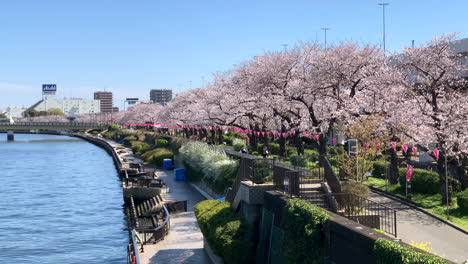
(139, 147)
(300, 161)
(128, 140)
(355, 187)
(156, 156)
(336, 150)
(225, 231)
(304, 236)
(238, 144)
(109, 135)
(462, 200)
(422, 181)
(162, 143)
(389, 252)
(379, 169)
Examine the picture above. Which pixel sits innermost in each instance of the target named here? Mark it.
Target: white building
(15, 112)
(69, 106)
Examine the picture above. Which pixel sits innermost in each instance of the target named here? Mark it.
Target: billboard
(49, 89)
(131, 101)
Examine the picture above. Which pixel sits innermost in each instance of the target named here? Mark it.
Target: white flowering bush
(210, 163)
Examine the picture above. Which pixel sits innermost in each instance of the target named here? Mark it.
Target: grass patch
(429, 202)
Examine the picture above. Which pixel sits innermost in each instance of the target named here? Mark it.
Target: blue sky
(130, 47)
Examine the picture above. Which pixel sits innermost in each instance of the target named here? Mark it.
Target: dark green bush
(422, 181)
(389, 252)
(129, 139)
(274, 149)
(334, 161)
(462, 200)
(162, 143)
(336, 150)
(109, 135)
(176, 143)
(156, 156)
(238, 144)
(355, 188)
(228, 140)
(225, 232)
(262, 172)
(139, 147)
(379, 169)
(304, 236)
(192, 173)
(290, 151)
(299, 161)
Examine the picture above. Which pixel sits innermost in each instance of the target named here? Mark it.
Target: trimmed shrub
(129, 139)
(462, 200)
(336, 150)
(262, 172)
(176, 143)
(299, 161)
(274, 149)
(139, 147)
(238, 144)
(228, 140)
(304, 236)
(156, 156)
(355, 188)
(334, 161)
(226, 232)
(422, 181)
(109, 135)
(379, 169)
(389, 252)
(162, 143)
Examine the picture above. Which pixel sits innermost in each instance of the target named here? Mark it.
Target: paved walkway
(184, 244)
(413, 225)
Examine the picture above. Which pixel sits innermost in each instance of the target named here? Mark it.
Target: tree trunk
(393, 169)
(220, 135)
(442, 180)
(322, 145)
(461, 169)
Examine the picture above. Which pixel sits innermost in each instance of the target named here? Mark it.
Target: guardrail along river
(60, 202)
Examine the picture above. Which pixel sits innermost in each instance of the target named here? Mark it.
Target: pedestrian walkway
(184, 244)
(417, 226)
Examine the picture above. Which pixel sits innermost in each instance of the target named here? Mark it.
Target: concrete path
(184, 244)
(413, 225)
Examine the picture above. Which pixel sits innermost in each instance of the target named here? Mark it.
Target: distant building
(115, 109)
(16, 112)
(161, 96)
(107, 101)
(69, 106)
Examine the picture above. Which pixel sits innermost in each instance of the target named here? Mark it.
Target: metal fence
(359, 209)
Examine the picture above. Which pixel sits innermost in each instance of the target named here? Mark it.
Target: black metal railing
(359, 209)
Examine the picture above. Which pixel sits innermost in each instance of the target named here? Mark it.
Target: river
(60, 202)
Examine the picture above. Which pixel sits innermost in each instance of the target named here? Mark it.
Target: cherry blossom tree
(433, 101)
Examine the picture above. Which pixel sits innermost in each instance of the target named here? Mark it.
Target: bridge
(28, 126)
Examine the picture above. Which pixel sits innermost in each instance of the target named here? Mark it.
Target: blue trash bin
(167, 164)
(179, 174)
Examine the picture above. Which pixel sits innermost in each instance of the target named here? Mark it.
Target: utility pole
(383, 4)
(325, 31)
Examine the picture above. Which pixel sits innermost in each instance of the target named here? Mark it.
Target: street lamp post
(284, 46)
(325, 31)
(383, 4)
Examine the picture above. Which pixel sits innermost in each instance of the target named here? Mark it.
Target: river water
(60, 202)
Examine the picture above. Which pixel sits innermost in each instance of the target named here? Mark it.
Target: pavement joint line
(414, 206)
